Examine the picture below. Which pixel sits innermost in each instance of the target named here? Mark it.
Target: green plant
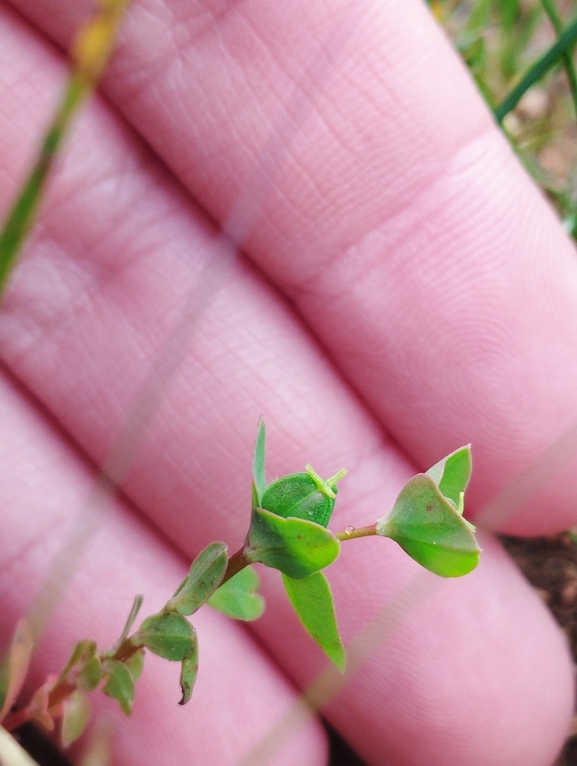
(287, 532)
(426, 521)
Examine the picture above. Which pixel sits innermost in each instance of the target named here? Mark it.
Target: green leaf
(136, 604)
(75, 716)
(312, 600)
(168, 635)
(188, 673)
(119, 684)
(89, 674)
(15, 667)
(301, 496)
(82, 651)
(451, 474)
(238, 596)
(135, 664)
(83, 666)
(428, 527)
(294, 546)
(258, 465)
(206, 572)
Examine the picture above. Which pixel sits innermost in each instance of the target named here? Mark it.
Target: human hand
(404, 290)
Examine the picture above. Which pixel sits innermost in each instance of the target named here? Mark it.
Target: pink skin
(405, 290)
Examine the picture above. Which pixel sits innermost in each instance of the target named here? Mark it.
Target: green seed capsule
(302, 496)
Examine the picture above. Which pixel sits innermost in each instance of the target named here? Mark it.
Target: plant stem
(236, 562)
(58, 694)
(351, 533)
(126, 649)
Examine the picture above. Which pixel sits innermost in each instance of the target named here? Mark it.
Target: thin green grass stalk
(549, 59)
(90, 52)
(551, 11)
(24, 210)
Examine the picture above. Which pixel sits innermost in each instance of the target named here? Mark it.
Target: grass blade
(538, 70)
(90, 51)
(557, 23)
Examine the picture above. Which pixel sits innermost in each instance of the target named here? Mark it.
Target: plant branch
(351, 533)
(236, 562)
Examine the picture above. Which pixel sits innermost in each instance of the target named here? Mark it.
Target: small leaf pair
(236, 597)
(427, 518)
(287, 532)
(170, 635)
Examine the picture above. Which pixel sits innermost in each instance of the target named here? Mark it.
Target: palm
(404, 290)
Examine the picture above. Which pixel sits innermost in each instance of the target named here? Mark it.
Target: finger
(433, 673)
(461, 323)
(249, 354)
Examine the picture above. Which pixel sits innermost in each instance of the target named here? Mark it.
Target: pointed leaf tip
(188, 673)
(452, 473)
(258, 465)
(136, 604)
(313, 602)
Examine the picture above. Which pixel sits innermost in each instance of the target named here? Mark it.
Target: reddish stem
(58, 694)
(236, 562)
